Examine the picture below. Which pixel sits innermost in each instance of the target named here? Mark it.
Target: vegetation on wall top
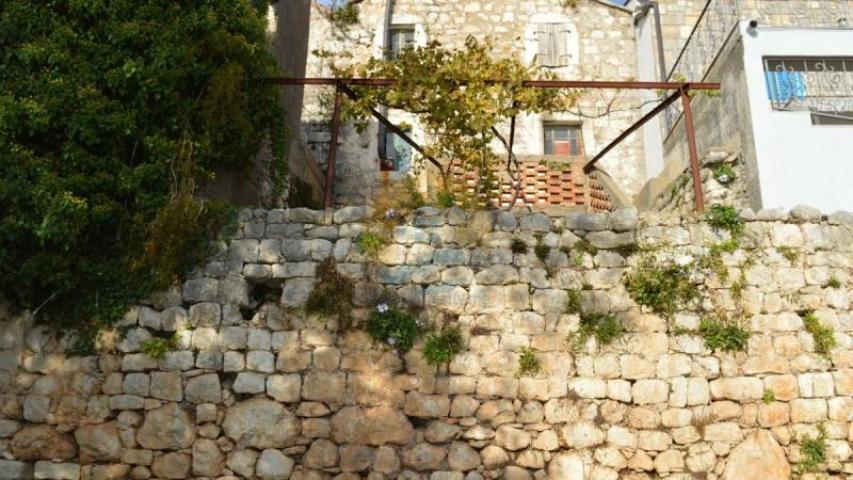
(112, 115)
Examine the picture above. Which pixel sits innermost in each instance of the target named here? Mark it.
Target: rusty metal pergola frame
(680, 90)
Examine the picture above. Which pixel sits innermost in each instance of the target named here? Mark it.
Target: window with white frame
(555, 42)
(563, 140)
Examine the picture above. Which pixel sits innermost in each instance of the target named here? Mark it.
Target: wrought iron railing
(716, 22)
(810, 83)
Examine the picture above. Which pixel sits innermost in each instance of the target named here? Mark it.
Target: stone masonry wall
(255, 389)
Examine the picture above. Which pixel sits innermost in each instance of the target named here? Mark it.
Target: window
(563, 140)
(554, 40)
(824, 118)
(810, 83)
(398, 154)
(402, 37)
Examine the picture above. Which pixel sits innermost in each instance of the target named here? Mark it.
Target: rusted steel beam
(333, 150)
(698, 194)
(394, 128)
(652, 113)
(385, 82)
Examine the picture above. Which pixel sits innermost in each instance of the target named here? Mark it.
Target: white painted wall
(647, 71)
(798, 163)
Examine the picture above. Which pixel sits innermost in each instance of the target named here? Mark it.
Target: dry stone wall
(253, 388)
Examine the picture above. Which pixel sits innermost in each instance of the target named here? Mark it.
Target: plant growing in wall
(528, 364)
(605, 328)
(812, 453)
(725, 217)
(661, 286)
(724, 336)
(332, 294)
(394, 327)
(441, 347)
(157, 347)
(823, 336)
(725, 174)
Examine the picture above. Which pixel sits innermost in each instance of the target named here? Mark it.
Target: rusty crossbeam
(681, 90)
(652, 114)
(699, 195)
(613, 85)
(333, 150)
(394, 128)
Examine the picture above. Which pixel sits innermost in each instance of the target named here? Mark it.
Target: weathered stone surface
(203, 389)
(260, 423)
(172, 466)
(166, 428)
(424, 456)
(208, 460)
(274, 465)
(418, 405)
(42, 442)
(57, 471)
(758, 453)
(98, 443)
(371, 426)
(13, 470)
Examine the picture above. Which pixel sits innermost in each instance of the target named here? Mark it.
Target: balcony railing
(810, 83)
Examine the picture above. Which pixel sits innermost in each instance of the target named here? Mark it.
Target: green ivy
(440, 348)
(112, 115)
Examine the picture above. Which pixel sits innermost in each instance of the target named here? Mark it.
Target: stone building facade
(251, 387)
(595, 40)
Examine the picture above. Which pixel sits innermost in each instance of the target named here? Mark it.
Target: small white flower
(392, 341)
(382, 308)
(724, 178)
(390, 213)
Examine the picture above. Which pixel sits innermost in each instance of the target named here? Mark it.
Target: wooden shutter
(562, 36)
(548, 44)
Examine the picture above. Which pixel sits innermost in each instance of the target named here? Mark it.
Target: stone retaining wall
(254, 388)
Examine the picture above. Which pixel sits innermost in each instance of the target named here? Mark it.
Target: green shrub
(823, 336)
(833, 282)
(528, 364)
(663, 287)
(574, 302)
(714, 259)
(627, 250)
(332, 294)
(157, 347)
(518, 246)
(112, 114)
(724, 174)
(396, 328)
(812, 453)
(371, 243)
(725, 217)
(605, 328)
(441, 347)
(768, 397)
(723, 336)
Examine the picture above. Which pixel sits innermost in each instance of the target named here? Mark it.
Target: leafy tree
(112, 114)
(462, 98)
